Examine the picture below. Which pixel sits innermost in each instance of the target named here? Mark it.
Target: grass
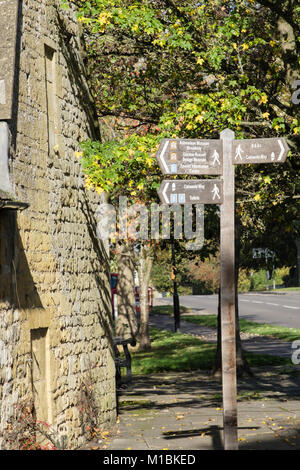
(246, 326)
(287, 289)
(178, 352)
(210, 321)
(173, 352)
(168, 309)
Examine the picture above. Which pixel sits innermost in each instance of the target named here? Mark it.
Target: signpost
(191, 191)
(217, 157)
(190, 157)
(271, 150)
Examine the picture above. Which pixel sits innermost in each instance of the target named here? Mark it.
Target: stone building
(55, 314)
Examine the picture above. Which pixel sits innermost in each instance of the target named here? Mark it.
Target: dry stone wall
(55, 311)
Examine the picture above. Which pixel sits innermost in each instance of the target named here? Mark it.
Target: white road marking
(270, 303)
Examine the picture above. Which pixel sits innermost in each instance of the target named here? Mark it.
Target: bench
(123, 361)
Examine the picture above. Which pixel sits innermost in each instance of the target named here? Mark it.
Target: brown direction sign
(190, 157)
(270, 150)
(191, 192)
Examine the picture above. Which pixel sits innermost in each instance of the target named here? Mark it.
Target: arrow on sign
(271, 150)
(282, 150)
(164, 193)
(162, 156)
(191, 192)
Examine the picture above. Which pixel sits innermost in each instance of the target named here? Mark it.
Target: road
(279, 309)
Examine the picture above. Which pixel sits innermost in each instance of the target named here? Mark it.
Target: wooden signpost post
(218, 157)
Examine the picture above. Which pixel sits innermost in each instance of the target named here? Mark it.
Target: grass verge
(178, 352)
(246, 326)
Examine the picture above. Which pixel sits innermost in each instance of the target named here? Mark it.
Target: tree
(190, 69)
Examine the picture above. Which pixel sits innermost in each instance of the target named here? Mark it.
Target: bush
(244, 281)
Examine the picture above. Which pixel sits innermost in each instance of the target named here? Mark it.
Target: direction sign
(262, 252)
(270, 150)
(191, 192)
(190, 157)
(218, 157)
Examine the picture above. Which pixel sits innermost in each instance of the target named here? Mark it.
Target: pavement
(183, 411)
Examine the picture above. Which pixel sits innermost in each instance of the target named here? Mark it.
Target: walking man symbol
(216, 192)
(216, 158)
(238, 153)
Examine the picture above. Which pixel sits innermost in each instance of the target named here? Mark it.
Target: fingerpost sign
(218, 157)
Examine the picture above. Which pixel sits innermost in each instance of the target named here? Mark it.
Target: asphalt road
(279, 309)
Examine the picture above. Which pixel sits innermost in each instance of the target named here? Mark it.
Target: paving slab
(183, 411)
(155, 415)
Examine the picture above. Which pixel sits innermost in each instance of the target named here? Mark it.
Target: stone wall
(55, 313)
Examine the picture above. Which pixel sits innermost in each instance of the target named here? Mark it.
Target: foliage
(25, 432)
(89, 406)
(206, 274)
(165, 67)
(244, 282)
(162, 272)
(126, 168)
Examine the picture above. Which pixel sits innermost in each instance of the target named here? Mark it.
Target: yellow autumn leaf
(257, 197)
(200, 60)
(199, 118)
(99, 190)
(263, 99)
(149, 161)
